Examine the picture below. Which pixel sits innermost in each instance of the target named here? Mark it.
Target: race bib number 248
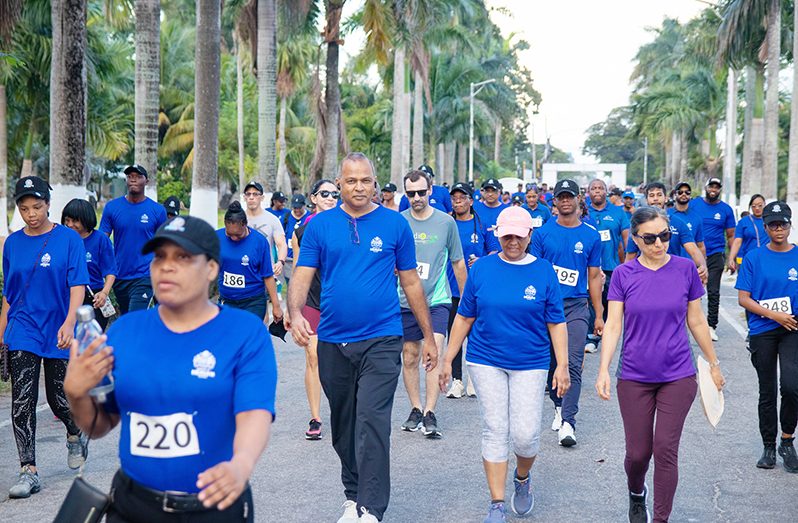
(778, 304)
(170, 436)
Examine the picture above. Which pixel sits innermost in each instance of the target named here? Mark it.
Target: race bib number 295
(170, 436)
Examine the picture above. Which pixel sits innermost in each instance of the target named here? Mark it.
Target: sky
(580, 56)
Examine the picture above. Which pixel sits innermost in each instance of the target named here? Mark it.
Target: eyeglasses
(412, 194)
(688, 193)
(328, 194)
(354, 237)
(651, 239)
(252, 194)
(775, 226)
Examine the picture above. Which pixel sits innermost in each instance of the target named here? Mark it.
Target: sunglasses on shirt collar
(651, 239)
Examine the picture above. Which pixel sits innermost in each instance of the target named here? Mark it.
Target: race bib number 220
(170, 436)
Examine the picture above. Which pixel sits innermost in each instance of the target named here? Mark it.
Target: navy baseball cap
(463, 188)
(297, 201)
(172, 205)
(255, 185)
(493, 183)
(138, 169)
(389, 187)
(777, 212)
(564, 186)
(32, 186)
(195, 235)
(427, 169)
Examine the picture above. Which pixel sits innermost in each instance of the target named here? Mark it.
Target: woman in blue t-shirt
(79, 216)
(44, 271)
(768, 290)
(246, 274)
(194, 387)
(749, 233)
(511, 306)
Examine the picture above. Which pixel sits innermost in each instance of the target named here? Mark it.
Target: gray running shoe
(76, 451)
(430, 425)
(27, 484)
(788, 455)
(523, 500)
(413, 422)
(638, 510)
(496, 514)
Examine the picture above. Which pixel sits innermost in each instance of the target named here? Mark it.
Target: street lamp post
(472, 94)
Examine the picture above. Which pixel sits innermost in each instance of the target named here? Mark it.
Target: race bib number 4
(606, 235)
(565, 276)
(171, 436)
(423, 270)
(234, 281)
(778, 304)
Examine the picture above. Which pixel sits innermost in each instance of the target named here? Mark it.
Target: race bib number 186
(778, 304)
(565, 276)
(234, 281)
(171, 436)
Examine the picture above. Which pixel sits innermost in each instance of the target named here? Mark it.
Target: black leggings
(773, 351)
(457, 363)
(25, 368)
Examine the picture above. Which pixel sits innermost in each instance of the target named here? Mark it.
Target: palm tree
(10, 11)
(68, 103)
(332, 92)
(267, 91)
(770, 178)
(148, 79)
(204, 189)
(792, 167)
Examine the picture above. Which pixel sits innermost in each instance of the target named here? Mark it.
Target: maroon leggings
(639, 403)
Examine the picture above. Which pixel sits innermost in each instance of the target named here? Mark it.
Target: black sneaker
(413, 422)
(638, 511)
(430, 425)
(314, 430)
(768, 459)
(787, 453)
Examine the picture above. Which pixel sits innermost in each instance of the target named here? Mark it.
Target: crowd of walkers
(470, 291)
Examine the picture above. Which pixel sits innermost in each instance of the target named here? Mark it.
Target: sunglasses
(328, 194)
(688, 193)
(775, 226)
(412, 194)
(651, 239)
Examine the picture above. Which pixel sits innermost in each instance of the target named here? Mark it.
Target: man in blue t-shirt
(628, 198)
(681, 208)
(357, 248)
(132, 220)
(489, 207)
(290, 222)
(439, 199)
(574, 249)
(719, 224)
(277, 204)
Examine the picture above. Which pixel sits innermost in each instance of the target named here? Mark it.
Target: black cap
(427, 169)
(278, 196)
(777, 212)
(463, 188)
(517, 199)
(297, 201)
(254, 185)
(683, 184)
(714, 180)
(172, 205)
(389, 187)
(568, 186)
(137, 168)
(193, 234)
(616, 191)
(32, 186)
(492, 182)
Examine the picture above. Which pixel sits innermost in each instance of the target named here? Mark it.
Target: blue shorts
(440, 321)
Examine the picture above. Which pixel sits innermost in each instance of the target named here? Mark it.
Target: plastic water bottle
(86, 331)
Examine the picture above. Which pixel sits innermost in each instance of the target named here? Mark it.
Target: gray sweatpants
(511, 406)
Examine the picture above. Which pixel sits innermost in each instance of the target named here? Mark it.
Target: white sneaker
(590, 348)
(712, 334)
(368, 518)
(566, 435)
(350, 512)
(470, 389)
(456, 390)
(557, 423)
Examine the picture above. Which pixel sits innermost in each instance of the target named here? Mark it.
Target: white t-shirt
(267, 224)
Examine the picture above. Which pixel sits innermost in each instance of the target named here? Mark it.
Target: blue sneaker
(523, 500)
(496, 514)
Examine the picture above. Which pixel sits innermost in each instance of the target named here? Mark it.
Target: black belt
(169, 501)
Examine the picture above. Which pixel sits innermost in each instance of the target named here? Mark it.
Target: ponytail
(235, 214)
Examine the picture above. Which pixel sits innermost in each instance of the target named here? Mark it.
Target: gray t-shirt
(437, 243)
(267, 224)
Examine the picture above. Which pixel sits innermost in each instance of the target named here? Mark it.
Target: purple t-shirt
(655, 344)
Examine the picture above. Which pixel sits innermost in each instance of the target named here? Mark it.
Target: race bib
(565, 276)
(171, 436)
(606, 235)
(537, 222)
(423, 270)
(778, 304)
(234, 281)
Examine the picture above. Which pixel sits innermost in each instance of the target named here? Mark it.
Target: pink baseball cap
(514, 221)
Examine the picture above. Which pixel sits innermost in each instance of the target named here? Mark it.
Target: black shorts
(440, 320)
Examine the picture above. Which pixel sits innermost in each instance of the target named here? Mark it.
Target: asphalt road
(442, 481)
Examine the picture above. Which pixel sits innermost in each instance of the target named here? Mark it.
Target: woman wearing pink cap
(510, 306)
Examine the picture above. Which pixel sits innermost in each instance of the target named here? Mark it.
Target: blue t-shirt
(512, 304)
(40, 277)
(716, 218)
(289, 225)
(440, 199)
(610, 222)
(489, 215)
(693, 221)
(177, 394)
(282, 212)
(571, 250)
(540, 215)
(132, 225)
(768, 275)
(520, 194)
(244, 266)
(476, 239)
(752, 232)
(680, 235)
(100, 259)
(357, 258)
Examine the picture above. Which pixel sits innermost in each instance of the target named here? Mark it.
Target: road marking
(6, 423)
(726, 315)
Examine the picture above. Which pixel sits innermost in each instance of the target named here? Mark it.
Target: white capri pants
(511, 405)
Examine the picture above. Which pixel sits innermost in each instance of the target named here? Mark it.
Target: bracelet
(281, 261)
(714, 364)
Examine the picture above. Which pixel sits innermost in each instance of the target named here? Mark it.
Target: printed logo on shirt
(717, 216)
(674, 231)
(28, 183)
(422, 237)
(45, 261)
(530, 293)
(792, 275)
(204, 362)
(578, 248)
(690, 226)
(376, 244)
(432, 201)
(144, 296)
(608, 219)
(178, 224)
(145, 218)
(245, 260)
(474, 237)
(88, 257)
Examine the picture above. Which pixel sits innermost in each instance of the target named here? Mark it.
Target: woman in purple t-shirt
(650, 298)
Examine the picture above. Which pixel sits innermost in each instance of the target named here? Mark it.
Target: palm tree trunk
(497, 141)
(792, 167)
(462, 162)
(397, 124)
(282, 170)
(770, 170)
(148, 79)
(753, 154)
(448, 172)
(204, 187)
(730, 154)
(67, 104)
(682, 171)
(407, 104)
(441, 158)
(332, 98)
(3, 163)
(239, 111)
(267, 92)
(418, 121)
